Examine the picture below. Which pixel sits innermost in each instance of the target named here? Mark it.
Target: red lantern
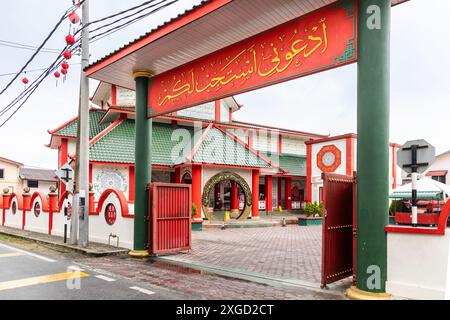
(70, 39)
(57, 74)
(64, 71)
(74, 17)
(25, 80)
(65, 65)
(67, 54)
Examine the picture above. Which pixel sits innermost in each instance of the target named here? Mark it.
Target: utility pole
(81, 187)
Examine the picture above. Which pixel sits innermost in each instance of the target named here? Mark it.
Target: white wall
(293, 145)
(11, 177)
(418, 266)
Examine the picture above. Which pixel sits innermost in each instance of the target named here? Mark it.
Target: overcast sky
(323, 103)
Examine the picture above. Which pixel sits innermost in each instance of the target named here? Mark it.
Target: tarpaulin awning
(426, 189)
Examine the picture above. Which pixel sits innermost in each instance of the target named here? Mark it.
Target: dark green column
(143, 160)
(373, 144)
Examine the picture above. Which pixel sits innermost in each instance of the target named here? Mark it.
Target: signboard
(65, 174)
(425, 155)
(321, 40)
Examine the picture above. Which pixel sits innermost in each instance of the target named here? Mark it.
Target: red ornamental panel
(313, 43)
(110, 214)
(170, 218)
(329, 158)
(338, 228)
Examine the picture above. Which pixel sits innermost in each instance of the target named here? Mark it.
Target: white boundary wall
(418, 266)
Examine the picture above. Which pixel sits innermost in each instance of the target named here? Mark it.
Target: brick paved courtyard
(292, 252)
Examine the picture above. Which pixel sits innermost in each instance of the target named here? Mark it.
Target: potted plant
(313, 216)
(196, 225)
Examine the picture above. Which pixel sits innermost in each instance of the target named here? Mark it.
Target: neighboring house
(38, 179)
(9, 175)
(15, 176)
(440, 169)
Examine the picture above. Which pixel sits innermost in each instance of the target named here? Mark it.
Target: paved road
(36, 271)
(26, 274)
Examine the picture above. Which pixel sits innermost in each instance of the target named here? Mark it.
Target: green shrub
(194, 210)
(309, 209)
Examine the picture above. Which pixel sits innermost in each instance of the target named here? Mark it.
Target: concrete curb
(85, 251)
(254, 277)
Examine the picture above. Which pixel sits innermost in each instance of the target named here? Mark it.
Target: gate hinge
(355, 234)
(325, 213)
(147, 218)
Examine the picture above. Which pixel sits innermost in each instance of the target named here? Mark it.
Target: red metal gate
(170, 218)
(338, 233)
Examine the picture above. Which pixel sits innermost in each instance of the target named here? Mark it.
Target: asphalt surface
(26, 274)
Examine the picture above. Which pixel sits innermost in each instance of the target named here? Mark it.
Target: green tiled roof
(295, 165)
(70, 130)
(219, 148)
(117, 146)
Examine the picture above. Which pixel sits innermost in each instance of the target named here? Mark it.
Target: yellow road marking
(41, 280)
(11, 254)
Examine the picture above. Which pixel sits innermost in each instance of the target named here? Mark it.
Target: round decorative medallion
(329, 158)
(37, 209)
(110, 214)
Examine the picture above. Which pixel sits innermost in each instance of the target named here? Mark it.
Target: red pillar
(26, 207)
(268, 185)
(177, 175)
(131, 181)
(255, 194)
(53, 207)
(308, 172)
(234, 197)
(279, 191)
(288, 193)
(197, 190)
(62, 160)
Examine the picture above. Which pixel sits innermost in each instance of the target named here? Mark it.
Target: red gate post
(6, 198)
(26, 205)
(53, 207)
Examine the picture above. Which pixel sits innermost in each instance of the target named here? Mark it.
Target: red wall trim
(197, 190)
(350, 155)
(217, 111)
(344, 136)
(394, 167)
(280, 144)
(308, 173)
(114, 95)
(131, 184)
(90, 173)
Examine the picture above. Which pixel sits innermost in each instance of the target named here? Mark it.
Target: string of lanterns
(74, 19)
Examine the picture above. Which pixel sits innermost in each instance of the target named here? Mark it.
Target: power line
(126, 24)
(25, 46)
(64, 16)
(36, 83)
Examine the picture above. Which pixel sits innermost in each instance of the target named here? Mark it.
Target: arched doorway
(187, 178)
(223, 177)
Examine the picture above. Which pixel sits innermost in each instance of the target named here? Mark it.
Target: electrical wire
(5, 43)
(126, 24)
(24, 96)
(64, 16)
